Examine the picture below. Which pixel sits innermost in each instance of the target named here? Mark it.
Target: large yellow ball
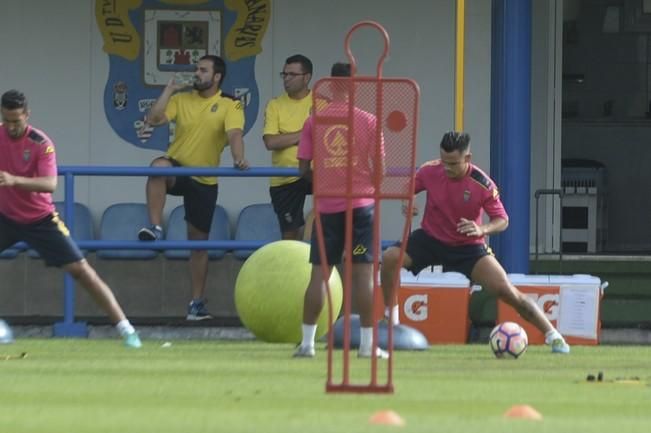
(269, 292)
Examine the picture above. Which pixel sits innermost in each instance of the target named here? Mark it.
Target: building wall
(58, 60)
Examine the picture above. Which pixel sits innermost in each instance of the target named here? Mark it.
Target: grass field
(217, 386)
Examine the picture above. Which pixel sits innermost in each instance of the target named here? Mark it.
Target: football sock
(309, 332)
(387, 313)
(124, 327)
(365, 338)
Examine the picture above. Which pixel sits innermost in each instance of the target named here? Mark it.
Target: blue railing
(69, 327)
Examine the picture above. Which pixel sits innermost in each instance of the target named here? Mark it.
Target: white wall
(56, 57)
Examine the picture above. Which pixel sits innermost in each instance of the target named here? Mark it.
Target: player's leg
(488, 273)
(363, 248)
(86, 276)
(313, 303)
(419, 253)
(391, 266)
(363, 289)
(199, 202)
(198, 276)
(288, 202)
(8, 233)
(156, 193)
(51, 239)
(315, 294)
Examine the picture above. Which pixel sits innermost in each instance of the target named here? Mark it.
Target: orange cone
(386, 417)
(523, 411)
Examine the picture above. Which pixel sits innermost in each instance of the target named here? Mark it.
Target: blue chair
(83, 229)
(10, 253)
(256, 222)
(121, 222)
(177, 231)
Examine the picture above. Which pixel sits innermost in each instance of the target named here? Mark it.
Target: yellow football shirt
(201, 125)
(286, 115)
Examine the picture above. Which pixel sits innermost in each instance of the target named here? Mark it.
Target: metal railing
(71, 328)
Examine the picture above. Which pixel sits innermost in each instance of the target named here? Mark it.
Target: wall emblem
(150, 41)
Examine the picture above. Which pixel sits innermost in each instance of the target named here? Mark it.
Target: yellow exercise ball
(270, 288)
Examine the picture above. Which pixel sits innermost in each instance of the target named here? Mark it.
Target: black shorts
(288, 201)
(49, 237)
(425, 251)
(334, 235)
(199, 199)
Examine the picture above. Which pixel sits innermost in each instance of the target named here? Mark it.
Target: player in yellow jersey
(284, 119)
(206, 122)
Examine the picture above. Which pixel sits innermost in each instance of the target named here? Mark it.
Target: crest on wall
(150, 41)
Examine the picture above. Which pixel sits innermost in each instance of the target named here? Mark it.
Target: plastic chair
(256, 222)
(10, 253)
(121, 222)
(83, 229)
(177, 231)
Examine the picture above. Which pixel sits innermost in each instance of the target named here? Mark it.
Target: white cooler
(571, 303)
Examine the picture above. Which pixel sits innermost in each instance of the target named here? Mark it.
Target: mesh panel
(379, 118)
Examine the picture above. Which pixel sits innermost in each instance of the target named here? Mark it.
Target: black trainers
(152, 233)
(197, 311)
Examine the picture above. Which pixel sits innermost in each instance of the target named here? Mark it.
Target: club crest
(150, 41)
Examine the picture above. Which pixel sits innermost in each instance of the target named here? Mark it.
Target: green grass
(95, 386)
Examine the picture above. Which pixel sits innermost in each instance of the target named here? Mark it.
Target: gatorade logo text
(548, 303)
(415, 308)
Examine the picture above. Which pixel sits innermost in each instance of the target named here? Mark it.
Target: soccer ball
(508, 340)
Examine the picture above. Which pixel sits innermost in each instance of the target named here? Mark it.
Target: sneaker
(152, 233)
(197, 311)
(560, 346)
(132, 341)
(304, 352)
(379, 353)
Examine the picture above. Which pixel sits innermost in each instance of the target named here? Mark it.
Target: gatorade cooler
(435, 303)
(571, 303)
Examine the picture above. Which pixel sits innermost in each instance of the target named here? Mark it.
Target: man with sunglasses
(284, 119)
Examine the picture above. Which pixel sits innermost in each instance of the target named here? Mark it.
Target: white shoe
(304, 352)
(560, 346)
(558, 343)
(379, 353)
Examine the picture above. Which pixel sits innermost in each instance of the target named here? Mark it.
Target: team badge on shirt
(26, 154)
(214, 108)
(466, 195)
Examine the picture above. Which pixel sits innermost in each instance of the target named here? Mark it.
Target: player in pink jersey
(334, 152)
(28, 176)
(452, 232)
